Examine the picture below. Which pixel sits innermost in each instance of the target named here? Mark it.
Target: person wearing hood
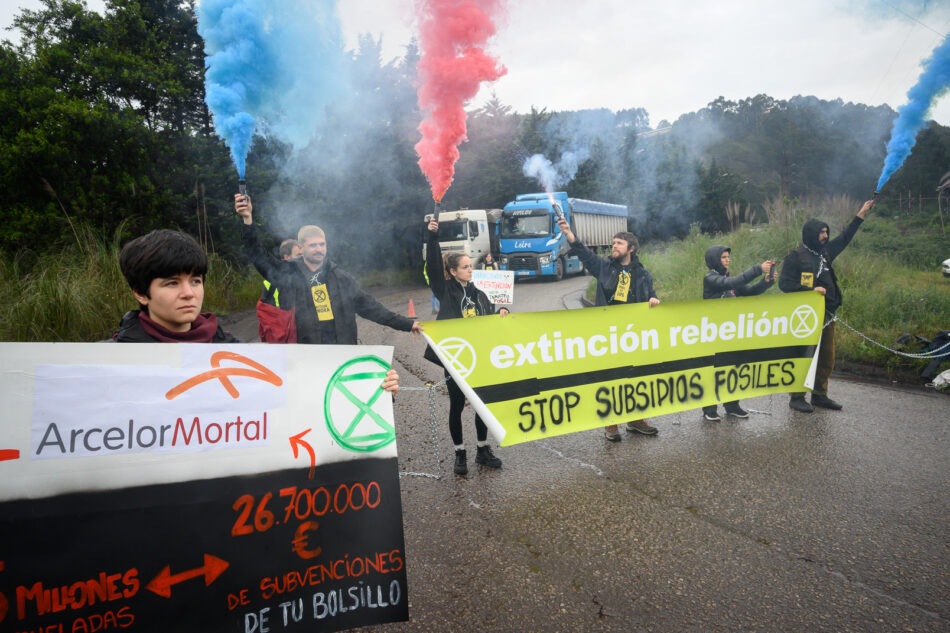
(620, 279)
(325, 298)
(808, 268)
(717, 284)
(451, 280)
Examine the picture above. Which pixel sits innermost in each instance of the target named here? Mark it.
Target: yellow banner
(542, 374)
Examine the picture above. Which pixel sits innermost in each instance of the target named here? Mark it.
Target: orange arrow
(162, 583)
(9, 453)
(296, 442)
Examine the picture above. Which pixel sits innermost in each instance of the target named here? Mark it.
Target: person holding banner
(717, 284)
(620, 279)
(451, 280)
(808, 268)
(165, 270)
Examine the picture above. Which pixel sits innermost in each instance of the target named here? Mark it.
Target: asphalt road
(834, 521)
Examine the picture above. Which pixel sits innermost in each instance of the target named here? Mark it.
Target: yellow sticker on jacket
(623, 287)
(468, 313)
(808, 280)
(321, 301)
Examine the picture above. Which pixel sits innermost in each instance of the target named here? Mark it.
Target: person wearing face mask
(717, 284)
(808, 268)
(451, 281)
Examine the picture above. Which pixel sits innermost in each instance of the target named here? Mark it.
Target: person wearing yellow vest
(620, 279)
(289, 249)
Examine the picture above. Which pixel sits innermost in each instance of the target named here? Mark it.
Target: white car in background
(946, 268)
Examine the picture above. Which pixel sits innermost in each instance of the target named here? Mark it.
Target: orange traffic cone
(412, 310)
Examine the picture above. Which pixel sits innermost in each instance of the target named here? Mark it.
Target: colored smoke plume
(272, 68)
(550, 175)
(933, 82)
(451, 66)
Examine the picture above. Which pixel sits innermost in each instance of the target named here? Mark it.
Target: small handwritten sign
(499, 285)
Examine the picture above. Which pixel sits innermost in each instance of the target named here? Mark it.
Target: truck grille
(522, 262)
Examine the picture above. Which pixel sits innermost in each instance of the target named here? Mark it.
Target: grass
(889, 274)
(78, 293)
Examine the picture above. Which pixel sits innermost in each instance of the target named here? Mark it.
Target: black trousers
(456, 404)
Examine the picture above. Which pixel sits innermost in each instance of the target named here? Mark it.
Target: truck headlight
(545, 259)
(504, 261)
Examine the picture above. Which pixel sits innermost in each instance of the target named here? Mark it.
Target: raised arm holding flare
(325, 298)
(806, 268)
(451, 281)
(620, 279)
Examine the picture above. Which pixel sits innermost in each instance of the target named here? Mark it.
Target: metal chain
(926, 355)
(432, 427)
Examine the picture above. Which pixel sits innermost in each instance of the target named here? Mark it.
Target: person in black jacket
(717, 284)
(166, 270)
(808, 267)
(325, 298)
(451, 281)
(623, 279)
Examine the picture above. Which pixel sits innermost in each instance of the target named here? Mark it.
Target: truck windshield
(528, 223)
(453, 231)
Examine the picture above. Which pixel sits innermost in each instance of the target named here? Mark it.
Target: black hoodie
(717, 284)
(809, 265)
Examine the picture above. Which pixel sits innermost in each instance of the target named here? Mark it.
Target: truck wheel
(559, 269)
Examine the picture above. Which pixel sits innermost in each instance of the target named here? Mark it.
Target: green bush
(79, 294)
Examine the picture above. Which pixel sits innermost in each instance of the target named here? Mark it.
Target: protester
(717, 284)
(275, 323)
(808, 267)
(620, 279)
(289, 249)
(165, 270)
(326, 298)
(488, 263)
(459, 298)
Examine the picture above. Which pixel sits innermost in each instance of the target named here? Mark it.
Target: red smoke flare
(451, 67)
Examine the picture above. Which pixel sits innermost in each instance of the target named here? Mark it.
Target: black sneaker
(711, 416)
(799, 404)
(461, 465)
(485, 457)
(737, 412)
(824, 402)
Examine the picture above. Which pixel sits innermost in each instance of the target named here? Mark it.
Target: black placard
(253, 554)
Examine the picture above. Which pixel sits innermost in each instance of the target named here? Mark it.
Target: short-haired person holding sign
(717, 284)
(807, 268)
(166, 271)
(451, 281)
(620, 279)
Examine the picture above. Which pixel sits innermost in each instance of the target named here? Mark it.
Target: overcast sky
(674, 56)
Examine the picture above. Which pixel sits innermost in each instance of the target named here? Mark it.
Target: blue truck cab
(531, 244)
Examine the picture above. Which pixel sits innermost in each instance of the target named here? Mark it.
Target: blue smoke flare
(272, 68)
(933, 82)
